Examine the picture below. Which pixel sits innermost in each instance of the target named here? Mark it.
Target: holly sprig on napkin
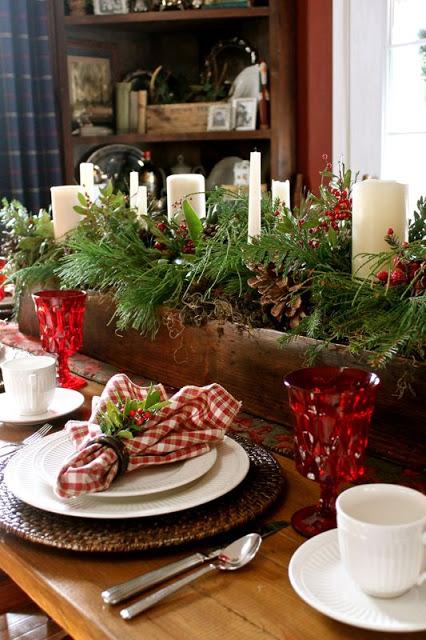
(127, 418)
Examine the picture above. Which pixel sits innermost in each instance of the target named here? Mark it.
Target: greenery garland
(296, 277)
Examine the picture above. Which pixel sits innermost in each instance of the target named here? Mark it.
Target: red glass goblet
(331, 409)
(3, 263)
(60, 315)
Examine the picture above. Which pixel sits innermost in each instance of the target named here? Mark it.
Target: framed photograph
(90, 83)
(244, 114)
(219, 117)
(106, 7)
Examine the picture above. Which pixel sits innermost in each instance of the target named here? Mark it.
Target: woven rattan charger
(262, 486)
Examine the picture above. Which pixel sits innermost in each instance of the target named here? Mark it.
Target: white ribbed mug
(382, 536)
(30, 383)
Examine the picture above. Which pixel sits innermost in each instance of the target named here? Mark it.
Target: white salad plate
(318, 576)
(231, 466)
(64, 401)
(57, 448)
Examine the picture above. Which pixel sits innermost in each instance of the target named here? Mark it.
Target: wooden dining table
(256, 602)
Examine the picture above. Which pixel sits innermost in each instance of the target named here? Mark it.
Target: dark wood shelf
(202, 136)
(188, 16)
(180, 42)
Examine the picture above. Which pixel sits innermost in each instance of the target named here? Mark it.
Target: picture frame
(91, 79)
(108, 7)
(219, 117)
(244, 114)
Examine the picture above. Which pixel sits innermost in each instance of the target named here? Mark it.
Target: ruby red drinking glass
(3, 263)
(60, 315)
(331, 409)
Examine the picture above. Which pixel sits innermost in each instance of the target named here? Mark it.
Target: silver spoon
(234, 556)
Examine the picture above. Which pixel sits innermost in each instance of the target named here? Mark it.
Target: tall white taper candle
(255, 196)
(186, 186)
(87, 180)
(64, 199)
(377, 206)
(142, 201)
(281, 190)
(133, 189)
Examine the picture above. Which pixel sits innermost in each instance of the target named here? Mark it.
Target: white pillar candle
(255, 196)
(377, 205)
(64, 199)
(186, 186)
(281, 190)
(133, 189)
(87, 180)
(142, 201)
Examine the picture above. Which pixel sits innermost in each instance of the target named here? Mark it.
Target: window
(404, 118)
(379, 89)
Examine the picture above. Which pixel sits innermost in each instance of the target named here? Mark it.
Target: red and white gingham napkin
(196, 418)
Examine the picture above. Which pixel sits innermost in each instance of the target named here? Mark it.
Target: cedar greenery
(202, 271)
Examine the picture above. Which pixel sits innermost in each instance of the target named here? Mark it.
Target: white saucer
(64, 401)
(319, 578)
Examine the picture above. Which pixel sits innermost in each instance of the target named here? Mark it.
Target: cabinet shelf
(180, 41)
(202, 136)
(189, 16)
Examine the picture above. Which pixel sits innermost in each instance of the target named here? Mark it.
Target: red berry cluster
(403, 271)
(341, 210)
(182, 232)
(163, 227)
(139, 416)
(188, 247)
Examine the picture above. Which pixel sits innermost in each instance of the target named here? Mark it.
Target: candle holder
(60, 315)
(331, 409)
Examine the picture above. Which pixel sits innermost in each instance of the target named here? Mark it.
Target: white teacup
(30, 383)
(382, 532)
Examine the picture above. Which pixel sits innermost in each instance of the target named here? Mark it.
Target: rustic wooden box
(188, 117)
(252, 366)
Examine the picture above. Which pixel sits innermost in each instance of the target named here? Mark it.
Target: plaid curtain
(29, 140)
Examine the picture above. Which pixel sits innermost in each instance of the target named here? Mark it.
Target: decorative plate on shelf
(115, 162)
(228, 58)
(222, 172)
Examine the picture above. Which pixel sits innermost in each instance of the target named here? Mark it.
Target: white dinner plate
(318, 576)
(64, 401)
(154, 479)
(231, 466)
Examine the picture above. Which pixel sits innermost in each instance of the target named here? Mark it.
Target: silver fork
(32, 439)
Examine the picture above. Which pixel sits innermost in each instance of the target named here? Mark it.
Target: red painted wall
(314, 87)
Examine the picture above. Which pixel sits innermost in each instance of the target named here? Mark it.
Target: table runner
(409, 470)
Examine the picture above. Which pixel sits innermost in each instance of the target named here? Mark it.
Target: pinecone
(210, 230)
(8, 243)
(419, 286)
(280, 293)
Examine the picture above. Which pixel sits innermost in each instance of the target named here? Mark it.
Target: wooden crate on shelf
(187, 117)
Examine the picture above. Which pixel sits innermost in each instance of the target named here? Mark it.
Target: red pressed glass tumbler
(60, 316)
(3, 263)
(331, 409)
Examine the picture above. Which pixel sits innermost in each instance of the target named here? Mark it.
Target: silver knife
(130, 588)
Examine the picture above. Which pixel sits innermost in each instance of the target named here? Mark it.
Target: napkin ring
(117, 445)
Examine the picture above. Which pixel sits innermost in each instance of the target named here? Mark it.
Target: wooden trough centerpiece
(251, 365)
